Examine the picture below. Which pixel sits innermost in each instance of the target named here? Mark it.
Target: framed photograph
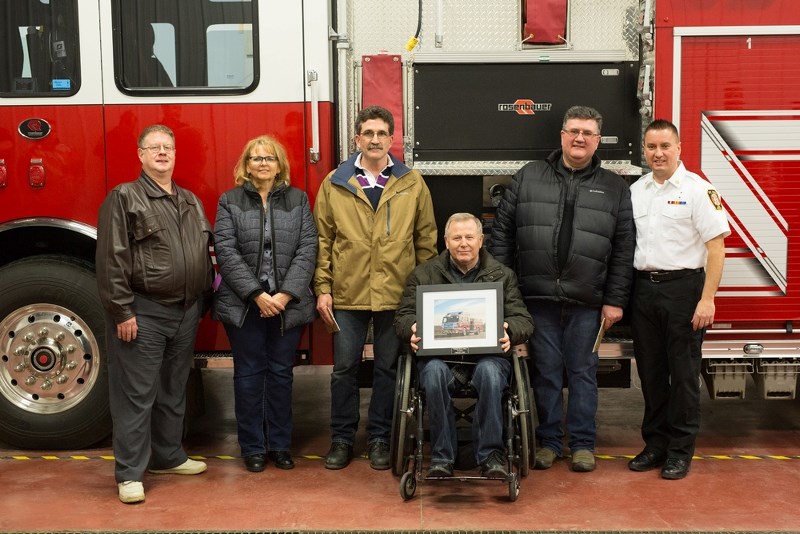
(460, 319)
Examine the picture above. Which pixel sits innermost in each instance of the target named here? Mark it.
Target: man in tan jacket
(375, 221)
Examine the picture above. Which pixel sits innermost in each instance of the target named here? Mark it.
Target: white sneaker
(131, 491)
(189, 467)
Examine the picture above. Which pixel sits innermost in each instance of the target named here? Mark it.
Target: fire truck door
(740, 127)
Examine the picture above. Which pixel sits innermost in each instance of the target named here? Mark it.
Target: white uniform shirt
(675, 220)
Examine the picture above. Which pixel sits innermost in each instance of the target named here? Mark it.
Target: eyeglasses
(585, 133)
(261, 159)
(157, 149)
(369, 134)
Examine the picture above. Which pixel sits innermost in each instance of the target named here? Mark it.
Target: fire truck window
(38, 48)
(184, 46)
(143, 67)
(230, 55)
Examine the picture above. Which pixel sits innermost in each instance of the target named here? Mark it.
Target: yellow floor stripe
(51, 457)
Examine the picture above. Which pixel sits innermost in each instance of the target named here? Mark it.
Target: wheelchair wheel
(408, 485)
(513, 487)
(400, 446)
(524, 423)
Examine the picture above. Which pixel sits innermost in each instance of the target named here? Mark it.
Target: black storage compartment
(481, 112)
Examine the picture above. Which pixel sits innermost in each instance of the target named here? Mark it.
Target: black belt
(666, 276)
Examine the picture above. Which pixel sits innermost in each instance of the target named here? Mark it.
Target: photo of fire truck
(477, 89)
(461, 324)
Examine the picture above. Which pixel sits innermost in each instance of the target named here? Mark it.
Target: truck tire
(53, 370)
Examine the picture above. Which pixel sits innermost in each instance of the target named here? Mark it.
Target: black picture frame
(460, 319)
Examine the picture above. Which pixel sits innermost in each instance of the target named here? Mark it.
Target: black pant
(668, 356)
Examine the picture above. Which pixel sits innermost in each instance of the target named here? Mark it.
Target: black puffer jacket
(239, 246)
(599, 268)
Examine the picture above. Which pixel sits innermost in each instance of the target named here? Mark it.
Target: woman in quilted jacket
(266, 247)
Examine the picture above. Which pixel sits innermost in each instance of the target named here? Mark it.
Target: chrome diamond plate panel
(599, 30)
(503, 168)
(386, 25)
(605, 25)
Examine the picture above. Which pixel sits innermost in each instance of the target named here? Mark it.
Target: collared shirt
(674, 221)
(368, 179)
(373, 185)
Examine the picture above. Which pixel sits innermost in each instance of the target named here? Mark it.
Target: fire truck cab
(78, 82)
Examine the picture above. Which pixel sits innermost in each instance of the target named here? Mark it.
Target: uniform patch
(713, 196)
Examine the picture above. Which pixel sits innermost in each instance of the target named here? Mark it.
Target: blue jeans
(348, 346)
(263, 361)
(489, 378)
(563, 339)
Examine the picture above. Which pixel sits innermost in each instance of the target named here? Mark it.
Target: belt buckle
(653, 274)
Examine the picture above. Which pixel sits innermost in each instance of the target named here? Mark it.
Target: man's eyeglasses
(157, 149)
(261, 159)
(369, 134)
(585, 133)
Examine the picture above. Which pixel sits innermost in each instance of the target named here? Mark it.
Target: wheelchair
(409, 433)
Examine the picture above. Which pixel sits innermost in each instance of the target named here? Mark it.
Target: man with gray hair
(466, 261)
(566, 225)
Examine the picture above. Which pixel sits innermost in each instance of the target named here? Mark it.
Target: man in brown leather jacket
(153, 273)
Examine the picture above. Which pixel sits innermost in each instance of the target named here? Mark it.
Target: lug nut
(47, 385)
(62, 379)
(31, 380)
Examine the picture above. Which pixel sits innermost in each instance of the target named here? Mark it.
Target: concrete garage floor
(746, 477)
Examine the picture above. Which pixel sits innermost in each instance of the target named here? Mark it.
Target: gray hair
(585, 113)
(458, 217)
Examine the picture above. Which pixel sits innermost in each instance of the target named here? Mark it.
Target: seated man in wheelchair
(464, 262)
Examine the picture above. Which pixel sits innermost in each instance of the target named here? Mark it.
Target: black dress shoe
(378, 455)
(281, 459)
(675, 468)
(494, 466)
(255, 462)
(440, 470)
(646, 460)
(339, 455)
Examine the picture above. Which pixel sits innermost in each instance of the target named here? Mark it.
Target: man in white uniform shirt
(680, 231)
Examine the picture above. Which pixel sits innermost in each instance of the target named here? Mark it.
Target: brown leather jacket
(153, 245)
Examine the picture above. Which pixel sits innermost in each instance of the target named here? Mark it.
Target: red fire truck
(460, 324)
(478, 89)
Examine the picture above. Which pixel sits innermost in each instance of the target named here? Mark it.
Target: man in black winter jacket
(566, 225)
